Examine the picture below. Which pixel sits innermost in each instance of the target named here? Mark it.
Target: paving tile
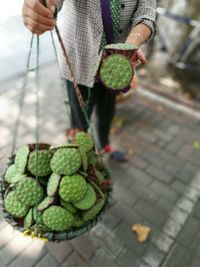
(32, 254)
(159, 174)
(84, 245)
(125, 213)
(150, 213)
(145, 192)
(140, 176)
(7, 234)
(179, 256)
(165, 191)
(189, 232)
(99, 260)
(127, 236)
(60, 251)
(122, 194)
(128, 259)
(153, 256)
(16, 246)
(47, 261)
(75, 260)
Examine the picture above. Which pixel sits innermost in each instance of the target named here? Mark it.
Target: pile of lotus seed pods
(57, 188)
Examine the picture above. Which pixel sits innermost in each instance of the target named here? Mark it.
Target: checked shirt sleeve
(145, 13)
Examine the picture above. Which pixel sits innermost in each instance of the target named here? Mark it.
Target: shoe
(115, 155)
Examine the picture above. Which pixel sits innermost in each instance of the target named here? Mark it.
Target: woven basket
(52, 235)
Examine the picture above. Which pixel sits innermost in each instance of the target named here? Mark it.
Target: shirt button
(120, 31)
(122, 6)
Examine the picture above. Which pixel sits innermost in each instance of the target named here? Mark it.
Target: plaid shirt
(82, 32)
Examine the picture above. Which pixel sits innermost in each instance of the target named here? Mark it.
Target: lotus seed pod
(46, 202)
(57, 218)
(89, 199)
(99, 176)
(37, 215)
(121, 46)
(66, 161)
(78, 221)
(83, 158)
(92, 158)
(14, 206)
(69, 206)
(21, 159)
(43, 166)
(56, 147)
(93, 212)
(73, 188)
(28, 220)
(116, 65)
(11, 175)
(85, 141)
(53, 184)
(29, 191)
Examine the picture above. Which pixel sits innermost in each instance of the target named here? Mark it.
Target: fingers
(141, 56)
(37, 18)
(51, 4)
(29, 13)
(39, 8)
(36, 27)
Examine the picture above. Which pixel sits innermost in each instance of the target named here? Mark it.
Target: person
(83, 34)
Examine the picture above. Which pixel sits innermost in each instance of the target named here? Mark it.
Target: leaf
(196, 145)
(141, 231)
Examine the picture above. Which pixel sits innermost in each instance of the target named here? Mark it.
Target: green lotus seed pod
(88, 200)
(78, 221)
(99, 176)
(116, 62)
(56, 147)
(92, 158)
(29, 191)
(69, 206)
(57, 218)
(28, 220)
(66, 161)
(37, 215)
(93, 212)
(83, 158)
(21, 159)
(43, 166)
(11, 175)
(85, 141)
(72, 188)
(121, 46)
(46, 202)
(53, 184)
(14, 206)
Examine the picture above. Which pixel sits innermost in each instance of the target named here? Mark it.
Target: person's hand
(38, 18)
(141, 56)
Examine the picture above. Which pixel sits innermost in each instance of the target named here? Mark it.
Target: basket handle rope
(21, 100)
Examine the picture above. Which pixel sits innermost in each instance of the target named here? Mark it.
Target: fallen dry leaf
(141, 231)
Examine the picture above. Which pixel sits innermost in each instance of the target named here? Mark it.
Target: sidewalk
(158, 187)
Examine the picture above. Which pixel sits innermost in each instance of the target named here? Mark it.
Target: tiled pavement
(158, 187)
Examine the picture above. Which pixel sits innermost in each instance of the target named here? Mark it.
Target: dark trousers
(100, 101)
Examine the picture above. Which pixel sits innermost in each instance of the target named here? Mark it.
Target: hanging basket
(45, 214)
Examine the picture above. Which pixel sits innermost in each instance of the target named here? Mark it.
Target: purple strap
(107, 21)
